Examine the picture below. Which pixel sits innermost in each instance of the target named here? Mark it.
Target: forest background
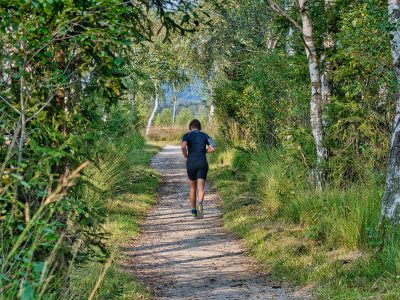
(301, 94)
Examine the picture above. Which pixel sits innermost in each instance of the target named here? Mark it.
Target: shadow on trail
(183, 258)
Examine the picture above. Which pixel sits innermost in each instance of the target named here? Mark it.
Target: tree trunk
(289, 45)
(175, 103)
(391, 199)
(316, 99)
(174, 113)
(211, 114)
(289, 35)
(153, 113)
(326, 85)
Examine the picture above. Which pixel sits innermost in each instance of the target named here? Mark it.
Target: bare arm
(184, 149)
(212, 146)
(211, 149)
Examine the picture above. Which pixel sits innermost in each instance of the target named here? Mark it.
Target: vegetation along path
(184, 258)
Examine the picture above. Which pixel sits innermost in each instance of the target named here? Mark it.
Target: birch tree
(391, 200)
(306, 29)
(211, 114)
(175, 100)
(153, 112)
(328, 44)
(289, 35)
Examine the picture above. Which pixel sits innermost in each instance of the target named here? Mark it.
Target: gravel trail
(179, 257)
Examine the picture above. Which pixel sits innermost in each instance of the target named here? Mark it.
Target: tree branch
(40, 109)
(277, 9)
(9, 104)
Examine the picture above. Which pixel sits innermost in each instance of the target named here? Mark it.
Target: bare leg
(192, 194)
(200, 189)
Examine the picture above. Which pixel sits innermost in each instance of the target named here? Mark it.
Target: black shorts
(197, 169)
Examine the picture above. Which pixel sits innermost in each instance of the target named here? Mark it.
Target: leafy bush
(164, 117)
(184, 117)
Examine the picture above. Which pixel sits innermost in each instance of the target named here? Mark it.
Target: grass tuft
(125, 184)
(329, 241)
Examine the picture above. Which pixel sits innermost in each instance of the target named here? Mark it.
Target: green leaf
(18, 177)
(25, 184)
(27, 292)
(118, 61)
(38, 267)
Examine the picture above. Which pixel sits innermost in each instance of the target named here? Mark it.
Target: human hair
(195, 124)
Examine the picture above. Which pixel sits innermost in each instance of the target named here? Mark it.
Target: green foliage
(330, 240)
(360, 114)
(262, 95)
(185, 115)
(67, 73)
(125, 186)
(202, 115)
(77, 83)
(164, 117)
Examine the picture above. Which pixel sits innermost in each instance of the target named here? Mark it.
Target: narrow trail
(183, 258)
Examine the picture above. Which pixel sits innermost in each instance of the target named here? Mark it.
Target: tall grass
(67, 247)
(327, 240)
(125, 185)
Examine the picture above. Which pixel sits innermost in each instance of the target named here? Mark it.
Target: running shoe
(194, 213)
(200, 210)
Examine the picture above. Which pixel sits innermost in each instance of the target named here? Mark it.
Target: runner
(195, 144)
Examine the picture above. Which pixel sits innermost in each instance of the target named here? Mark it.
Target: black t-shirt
(197, 142)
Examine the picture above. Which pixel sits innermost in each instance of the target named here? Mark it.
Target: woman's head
(195, 124)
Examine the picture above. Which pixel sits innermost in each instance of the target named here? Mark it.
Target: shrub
(184, 117)
(164, 118)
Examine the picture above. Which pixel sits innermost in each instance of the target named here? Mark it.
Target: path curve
(183, 258)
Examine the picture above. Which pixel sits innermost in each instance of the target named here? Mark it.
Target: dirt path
(183, 258)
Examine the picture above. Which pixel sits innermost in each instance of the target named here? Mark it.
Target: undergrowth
(124, 183)
(329, 242)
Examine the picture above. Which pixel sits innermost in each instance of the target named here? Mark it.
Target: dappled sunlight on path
(179, 257)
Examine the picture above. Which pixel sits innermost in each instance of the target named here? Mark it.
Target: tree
(307, 31)
(164, 117)
(391, 199)
(185, 115)
(153, 112)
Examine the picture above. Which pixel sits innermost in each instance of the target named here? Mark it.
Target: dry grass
(162, 134)
(167, 133)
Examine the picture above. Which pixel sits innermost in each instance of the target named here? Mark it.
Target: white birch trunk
(211, 114)
(175, 104)
(316, 100)
(391, 199)
(174, 113)
(289, 35)
(326, 85)
(153, 113)
(272, 41)
(289, 44)
(326, 89)
(6, 68)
